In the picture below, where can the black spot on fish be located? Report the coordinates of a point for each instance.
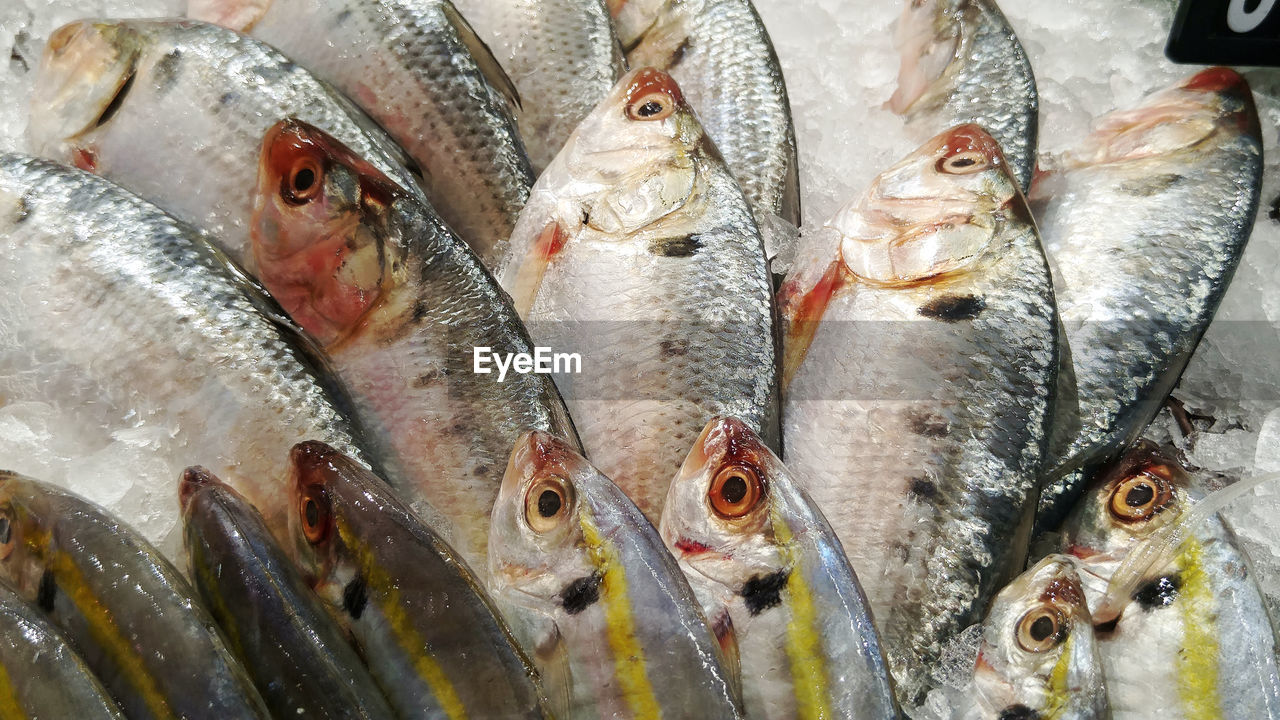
(675, 247)
(673, 348)
(355, 596)
(580, 594)
(954, 308)
(678, 54)
(47, 592)
(1019, 712)
(764, 592)
(922, 488)
(166, 72)
(1274, 214)
(1159, 592)
(1151, 185)
(928, 424)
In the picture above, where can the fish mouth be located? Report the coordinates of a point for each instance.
(86, 72)
(194, 479)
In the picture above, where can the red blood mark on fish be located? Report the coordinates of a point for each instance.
(85, 159)
(692, 547)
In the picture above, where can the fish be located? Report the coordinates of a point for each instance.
(720, 54)
(417, 68)
(562, 56)
(638, 252)
(961, 62)
(1144, 222)
(175, 111)
(293, 649)
(568, 545)
(417, 614)
(920, 354)
(141, 344)
(1193, 631)
(41, 675)
(400, 308)
(1038, 657)
(125, 609)
(758, 550)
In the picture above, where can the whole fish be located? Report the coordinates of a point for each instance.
(294, 651)
(419, 618)
(175, 111)
(41, 676)
(569, 545)
(638, 252)
(1145, 223)
(1039, 657)
(962, 63)
(147, 347)
(1194, 632)
(756, 548)
(921, 347)
(124, 608)
(563, 57)
(720, 54)
(417, 68)
(400, 308)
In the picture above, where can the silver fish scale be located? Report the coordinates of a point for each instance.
(990, 84)
(122, 317)
(720, 54)
(921, 440)
(1143, 252)
(562, 56)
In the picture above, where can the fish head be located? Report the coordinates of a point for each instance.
(27, 517)
(326, 241)
(934, 213)
(1179, 118)
(929, 36)
(632, 18)
(235, 14)
(85, 75)
(719, 514)
(539, 549)
(324, 482)
(1142, 492)
(1037, 643)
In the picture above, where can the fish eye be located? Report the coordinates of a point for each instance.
(654, 106)
(547, 503)
(303, 182)
(964, 163)
(735, 491)
(1140, 497)
(1041, 629)
(7, 539)
(313, 511)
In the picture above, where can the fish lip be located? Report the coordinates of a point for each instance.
(310, 459)
(194, 479)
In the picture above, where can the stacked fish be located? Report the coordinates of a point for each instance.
(790, 472)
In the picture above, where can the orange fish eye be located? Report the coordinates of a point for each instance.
(653, 95)
(1140, 497)
(314, 513)
(1041, 629)
(303, 181)
(546, 503)
(965, 162)
(735, 491)
(654, 106)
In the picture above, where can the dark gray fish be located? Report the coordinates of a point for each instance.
(290, 645)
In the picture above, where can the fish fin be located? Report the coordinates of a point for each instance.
(485, 60)
(529, 278)
(802, 309)
(552, 657)
(662, 46)
(239, 15)
(727, 638)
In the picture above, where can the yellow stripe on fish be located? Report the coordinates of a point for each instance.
(804, 643)
(383, 591)
(1058, 690)
(1197, 664)
(10, 708)
(629, 660)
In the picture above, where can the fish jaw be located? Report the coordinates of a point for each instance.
(234, 14)
(85, 69)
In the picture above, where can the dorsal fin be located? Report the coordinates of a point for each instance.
(485, 61)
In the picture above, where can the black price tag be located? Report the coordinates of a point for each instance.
(1226, 32)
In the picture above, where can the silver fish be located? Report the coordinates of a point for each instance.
(296, 654)
(638, 252)
(962, 63)
(416, 613)
(417, 68)
(175, 111)
(562, 56)
(41, 676)
(124, 608)
(1039, 657)
(720, 54)
(757, 549)
(1145, 224)
(921, 347)
(400, 308)
(132, 330)
(567, 544)
(1194, 631)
